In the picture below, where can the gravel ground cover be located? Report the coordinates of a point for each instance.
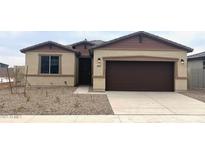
(53, 101)
(196, 94)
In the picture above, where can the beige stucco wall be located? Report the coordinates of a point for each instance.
(67, 73)
(51, 81)
(180, 69)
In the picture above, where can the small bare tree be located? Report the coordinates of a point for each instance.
(10, 86)
(25, 80)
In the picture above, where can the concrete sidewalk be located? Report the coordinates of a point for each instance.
(103, 119)
(86, 90)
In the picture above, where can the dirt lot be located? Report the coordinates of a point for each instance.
(5, 85)
(53, 101)
(196, 94)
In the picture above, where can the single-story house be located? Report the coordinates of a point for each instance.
(196, 70)
(2, 65)
(3, 71)
(139, 61)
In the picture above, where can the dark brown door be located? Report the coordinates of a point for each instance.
(139, 76)
(85, 71)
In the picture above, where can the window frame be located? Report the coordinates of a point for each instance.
(50, 55)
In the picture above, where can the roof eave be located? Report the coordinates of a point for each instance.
(188, 49)
(191, 50)
(195, 58)
(81, 42)
(24, 50)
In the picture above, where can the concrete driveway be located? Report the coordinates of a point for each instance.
(157, 103)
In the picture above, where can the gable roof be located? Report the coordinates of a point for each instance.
(92, 42)
(67, 48)
(142, 33)
(197, 56)
(97, 42)
(82, 42)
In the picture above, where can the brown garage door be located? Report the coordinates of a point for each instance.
(139, 76)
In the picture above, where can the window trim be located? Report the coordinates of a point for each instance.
(39, 64)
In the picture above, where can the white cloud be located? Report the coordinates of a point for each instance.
(11, 34)
(193, 39)
(11, 42)
(6, 51)
(13, 60)
(180, 37)
(62, 42)
(100, 35)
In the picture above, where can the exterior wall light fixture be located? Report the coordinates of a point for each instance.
(182, 61)
(99, 62)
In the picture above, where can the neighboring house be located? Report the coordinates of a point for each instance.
(140, 61)
(4, 75)
(196, 70)
(2, 65)
(3, 71)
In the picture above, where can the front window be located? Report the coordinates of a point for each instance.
(50, 64)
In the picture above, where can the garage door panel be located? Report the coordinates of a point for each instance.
(139, 76)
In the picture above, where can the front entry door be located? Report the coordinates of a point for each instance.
(85, 71)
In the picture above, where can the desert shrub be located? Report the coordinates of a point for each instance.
(28, 98)
(57, 99)
(39, 105)
(2, 106)
(76, 105)
(19, 109)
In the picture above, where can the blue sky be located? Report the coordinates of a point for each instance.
(11, 42)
